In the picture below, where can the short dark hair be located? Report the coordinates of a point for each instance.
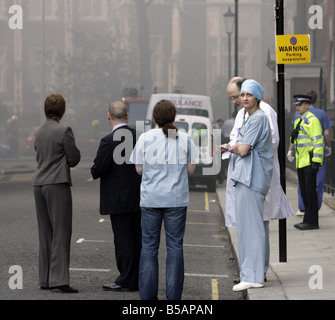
(54, 106)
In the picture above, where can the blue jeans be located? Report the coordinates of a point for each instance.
(174, 225)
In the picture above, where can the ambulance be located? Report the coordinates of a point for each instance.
(186, 104)
(200, 129)
(195, 117)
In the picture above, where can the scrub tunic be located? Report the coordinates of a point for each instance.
(164, 161)
(252, 178)
(276, 204)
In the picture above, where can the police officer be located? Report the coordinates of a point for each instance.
(308, 142)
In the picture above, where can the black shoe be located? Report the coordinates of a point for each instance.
(116, 287)
(64, 289)
(44, 288)
(306, 226)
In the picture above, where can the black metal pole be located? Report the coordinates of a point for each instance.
(236, 38)
(229, 68)
(281, 125)
(43, 62)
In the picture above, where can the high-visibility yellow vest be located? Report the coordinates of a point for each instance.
(309, 145)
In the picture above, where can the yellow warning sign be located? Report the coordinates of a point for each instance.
(293, 49)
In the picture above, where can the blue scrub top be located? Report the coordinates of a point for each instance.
(164, 161)
(255, 170)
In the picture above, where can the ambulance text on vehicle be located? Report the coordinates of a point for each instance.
(186, 104)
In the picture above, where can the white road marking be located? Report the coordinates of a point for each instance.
(206, 275)
(202, 246)
(186, 274)
(198, 211)
(202, 224)
(90, 270)
(81, 240)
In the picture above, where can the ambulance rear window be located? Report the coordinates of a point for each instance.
(200, 134)
(193, 112)
(183, 126)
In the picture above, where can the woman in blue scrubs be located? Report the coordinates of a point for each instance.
(253, 165)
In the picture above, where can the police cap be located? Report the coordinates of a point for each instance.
(300, 98)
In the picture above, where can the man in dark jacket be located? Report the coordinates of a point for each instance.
(120, 196)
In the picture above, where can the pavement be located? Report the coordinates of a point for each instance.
(309, 270)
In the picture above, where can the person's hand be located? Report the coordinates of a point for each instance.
(224, 148)
(315, 166)
(328, 151)
(290, 156)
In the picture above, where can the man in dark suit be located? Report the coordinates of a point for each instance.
(120, 196)
(56, 152)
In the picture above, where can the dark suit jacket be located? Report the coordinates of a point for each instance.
(119, 182)
(56, 153)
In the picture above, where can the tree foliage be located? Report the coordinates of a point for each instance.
(96, 72)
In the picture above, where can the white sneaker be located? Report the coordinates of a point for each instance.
(247, 285)
(299, 213)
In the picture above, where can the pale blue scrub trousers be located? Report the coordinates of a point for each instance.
(251, 233)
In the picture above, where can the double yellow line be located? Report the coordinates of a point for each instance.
(215, 289)
(215, 284)
(206, 202)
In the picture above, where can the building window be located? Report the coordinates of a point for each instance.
(50, 9)
(50, 75)
(90, 9)
(3, 56)
(3, 10)
(213, 56)
(4, 7)
(157, 59)
(35, 57)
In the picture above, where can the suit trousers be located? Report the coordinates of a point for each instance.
(54, 217)
(307, 183)
(128, 242)
(320, 183)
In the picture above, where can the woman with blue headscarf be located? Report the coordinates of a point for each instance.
(252, 173)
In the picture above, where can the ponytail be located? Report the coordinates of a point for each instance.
(170, 130)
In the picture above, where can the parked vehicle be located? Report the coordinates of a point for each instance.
(186, 104)
(201, 131)
(137, 108)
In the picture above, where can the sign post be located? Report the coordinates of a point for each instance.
(293, 49)
(289, 49)
(279, 14)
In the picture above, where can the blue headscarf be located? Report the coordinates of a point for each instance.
(254, 88)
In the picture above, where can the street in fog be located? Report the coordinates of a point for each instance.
(209, 263)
